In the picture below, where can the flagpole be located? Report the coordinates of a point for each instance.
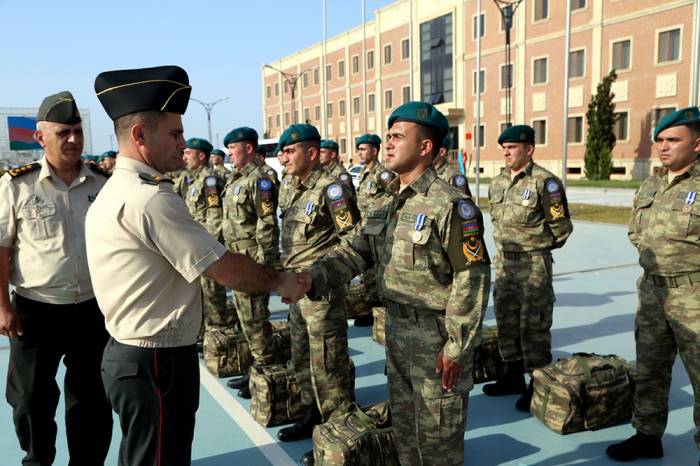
(324, 95)
(477, 138)
(565, 119)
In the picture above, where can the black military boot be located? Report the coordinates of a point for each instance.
(307, 459)
(364, 321)
(638, 446)
(301, 429)
(244, 392)
(513, 383)
(200, 349)
(239, 382)
(523, 403)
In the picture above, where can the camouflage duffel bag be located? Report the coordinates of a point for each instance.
(362, 437)
(356, 303)
(282, 341)
(379, 314)
(488, 364)
(275, 395)
(583, 392)
(226, 353)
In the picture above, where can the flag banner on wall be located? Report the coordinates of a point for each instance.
(21, 131)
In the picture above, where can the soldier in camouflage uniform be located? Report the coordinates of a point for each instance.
(434, 278)
(201, 189)
(250, 227)
(316, 213)
(216, 160)
(530, 217)
(268, 170)
(447, 172)
(329, 161)
(665, 228)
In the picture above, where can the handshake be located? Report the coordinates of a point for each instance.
(293, 286)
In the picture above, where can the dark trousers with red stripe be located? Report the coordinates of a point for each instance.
(75, 333)
(155, 392)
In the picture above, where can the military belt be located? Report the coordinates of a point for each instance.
(518, 255)
(243, 244)
(404, 311)
(673, 282)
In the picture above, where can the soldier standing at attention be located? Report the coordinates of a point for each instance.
(53, 314)
(201, 189)
(146, 254)
(250, 227)
(329, 161)
(665, 228)
(447, 172)
(268, 170)
(530, 217)
(318, 210)
(433, 276)
(216, 160)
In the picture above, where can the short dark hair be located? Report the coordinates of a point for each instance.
(428, 132)
(123, 124)
(306, 145)
(694, 130)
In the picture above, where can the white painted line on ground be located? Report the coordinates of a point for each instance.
(597, 269)
(259, 436)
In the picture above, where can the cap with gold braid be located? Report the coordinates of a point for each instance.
(59, 108)
(159, 89)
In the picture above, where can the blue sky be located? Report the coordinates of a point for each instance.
(50, 46)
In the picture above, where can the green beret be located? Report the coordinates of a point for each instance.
(297, 133)
(199, 144)
(517, 133)
(684, 116)
(218, 152)
(421, 113)
(241, 134)
(329, 144)
(368, 138)
(59, 108)
(159, 89)
(109, 153)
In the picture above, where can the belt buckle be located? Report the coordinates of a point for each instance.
(672, 282)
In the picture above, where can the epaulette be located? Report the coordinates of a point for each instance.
(154, 180)
(23, 170)
(100, 170)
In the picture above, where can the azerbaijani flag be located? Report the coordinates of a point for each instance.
(21, 130)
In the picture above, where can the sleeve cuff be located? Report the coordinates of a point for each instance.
(453, 351)
(203, 264)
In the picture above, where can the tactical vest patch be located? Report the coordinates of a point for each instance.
(23, 170)
(554, 201)
(342, 207)
(211, 191)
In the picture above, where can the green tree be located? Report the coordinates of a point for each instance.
(600, 139)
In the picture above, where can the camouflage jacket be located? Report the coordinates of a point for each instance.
(317, 211)
(427, 243)
(665, 223)
(269, 172)
(452, 176)
(374, 184)
(337, 170)
(201, 190)
(288, 185)
(530, 211)
(222, 171)
(250, 215)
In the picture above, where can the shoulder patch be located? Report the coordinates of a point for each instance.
(264, 184)
(342, 207)
(211, 190)
(334, 192)
(23, 170)
(459, 181)
(466, 209)
(98, 169)
(554, 201)
(552, 186)
(154, 180)
(210, 181)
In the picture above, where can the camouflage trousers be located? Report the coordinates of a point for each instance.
(667, 323)
(319, 333)
(369, 278)
(254, 318)
(216, 314)
(523, 303)
(428, 421)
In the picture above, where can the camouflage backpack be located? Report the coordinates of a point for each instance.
(583, 392)
(362, 437)
(276, 396)
(488, 364)
(226, 353)
(378, 335)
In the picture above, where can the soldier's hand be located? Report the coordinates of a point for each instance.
(451, 371)
(289, 288)
(9, 322)
(305, 280)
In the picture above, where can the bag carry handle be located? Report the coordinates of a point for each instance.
(581, 360)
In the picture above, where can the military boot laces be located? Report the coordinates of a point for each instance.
(513, 383)
(638, 446)
(303, 428)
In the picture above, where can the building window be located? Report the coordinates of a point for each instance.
(341, 69)
(296, 116)
(370, 103)
(503, 126)
(317, 112)
(355, 64)
(343, 145)
(405, 49)
(507, 76)
(355, 105)
(388, 99)
(269, 123)
(574, 129)
(286, 87)
(576, 64)
(286, 118)
(316, 75)
(541, 9)
(305, 79)
(329, 72)
(387, 54)
(341, 108)
(661, 112)
(329, 110)
(577, 4)
(481, 135)
(405, 94)
(277, 120)
(268, 90)
(482, 81)
(277, 89)
(370, 59)
(539, 71)
(540, 127)
(307, 117)
(669, 45)
(436, 76)
(622, 125)
(621, 55)
(482, 19)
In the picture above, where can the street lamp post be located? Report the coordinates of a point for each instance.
(292, 79)
(208, 106)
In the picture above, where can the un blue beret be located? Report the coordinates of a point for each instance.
(241, 134)
(199, 144)
(218, 152)
(329, 144)
(684, 116)
(109, 153)
(368, 138)
(421, 113)
(298, 132)
(517, 133)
